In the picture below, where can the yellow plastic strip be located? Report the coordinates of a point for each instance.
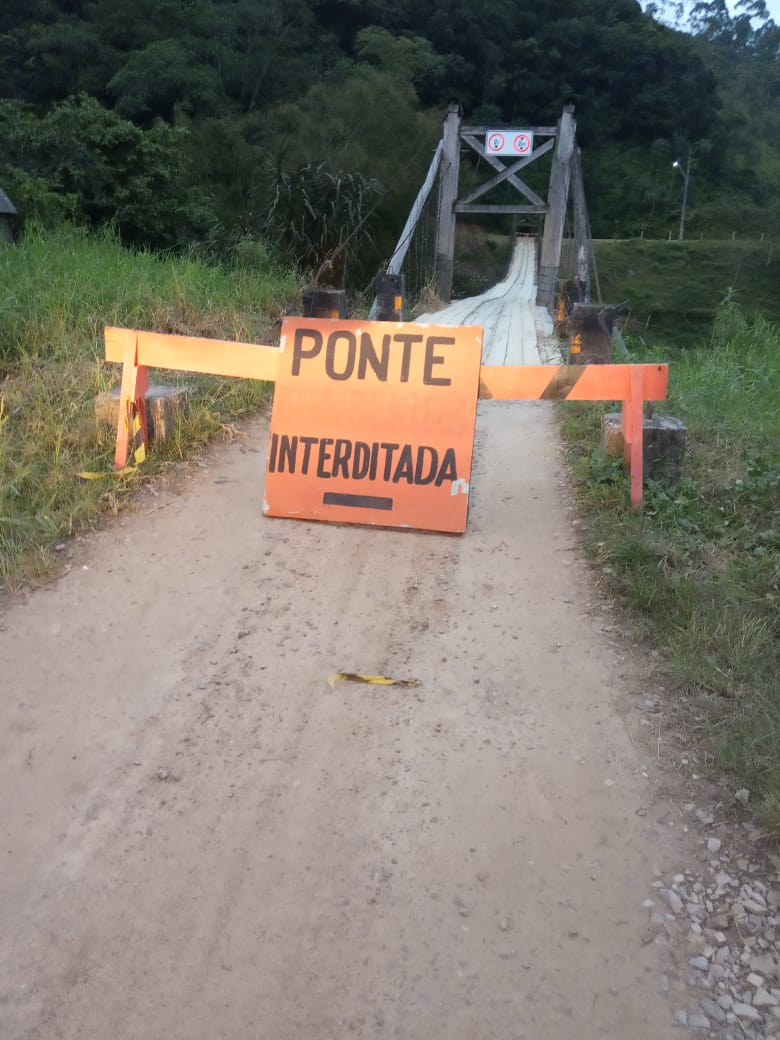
(372, 680)
(137, 452)
(85, 475)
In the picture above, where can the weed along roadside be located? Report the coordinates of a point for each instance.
(698, 570)
(60, 288)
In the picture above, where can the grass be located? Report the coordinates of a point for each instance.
(701, 565)
(673, 288)
(60, 288)
(57, 291)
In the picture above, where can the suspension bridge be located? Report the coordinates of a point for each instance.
(342, 374)
(517, 313)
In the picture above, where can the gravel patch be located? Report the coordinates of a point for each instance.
(725, 915)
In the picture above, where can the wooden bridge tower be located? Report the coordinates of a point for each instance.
(566, 174)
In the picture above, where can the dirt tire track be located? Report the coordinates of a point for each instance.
(204, 839)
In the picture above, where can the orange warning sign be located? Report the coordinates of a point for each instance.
(373, 423)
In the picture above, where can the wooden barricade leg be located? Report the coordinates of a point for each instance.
(135, 383)
(632, 424)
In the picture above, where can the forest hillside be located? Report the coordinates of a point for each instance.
(218, 124)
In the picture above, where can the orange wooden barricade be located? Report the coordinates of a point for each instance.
(630, 384)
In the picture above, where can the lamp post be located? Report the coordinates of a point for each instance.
(687, 176)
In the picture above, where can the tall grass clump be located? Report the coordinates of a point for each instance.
(701, 564)
(61, 287)
(58, 289)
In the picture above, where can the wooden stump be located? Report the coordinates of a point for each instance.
(165, 406)
(663, 443)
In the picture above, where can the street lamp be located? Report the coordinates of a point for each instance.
(687, 176)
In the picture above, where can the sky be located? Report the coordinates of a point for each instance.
(773, 6)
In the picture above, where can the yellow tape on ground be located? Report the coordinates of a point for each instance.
(85, 475)
(372, 680)
(137, 452)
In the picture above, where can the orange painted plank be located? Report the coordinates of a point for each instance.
(579, 382)
(192, 354)
(636, 460)
(613, 382)
(514, 382)
(501, 382)
(373, 423)
(135, 383)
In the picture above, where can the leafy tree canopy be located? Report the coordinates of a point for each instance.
(171, 116)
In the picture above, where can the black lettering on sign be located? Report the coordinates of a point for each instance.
(330, 355)
(361, 460)
(389, 450)
(347, 358)
(449, 468)
(288, 449)
(299, 353)
(307, 443)
(341, 452)
(324, 457)
(403, 471)
(358, 460)
(407, 338)
(430, 454)
(369, 356)
(432, 359)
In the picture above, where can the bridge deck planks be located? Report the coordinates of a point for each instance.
(507, 312)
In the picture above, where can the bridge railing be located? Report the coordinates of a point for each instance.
(395, 264)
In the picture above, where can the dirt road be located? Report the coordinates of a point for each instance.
(201, 838)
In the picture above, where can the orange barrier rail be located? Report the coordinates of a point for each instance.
(631, 384)
(139, 351)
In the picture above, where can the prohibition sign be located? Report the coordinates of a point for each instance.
(522, 144)
(496, 143)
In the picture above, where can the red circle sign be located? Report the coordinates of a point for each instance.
(522, 144)
(495, 142)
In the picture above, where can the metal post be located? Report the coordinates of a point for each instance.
(448, 194)
(687, 176)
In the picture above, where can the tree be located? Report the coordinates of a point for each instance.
(409, 58)
(360, 86)
(162, 79)
(360, 121)
(271, 51)
(109, 169)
